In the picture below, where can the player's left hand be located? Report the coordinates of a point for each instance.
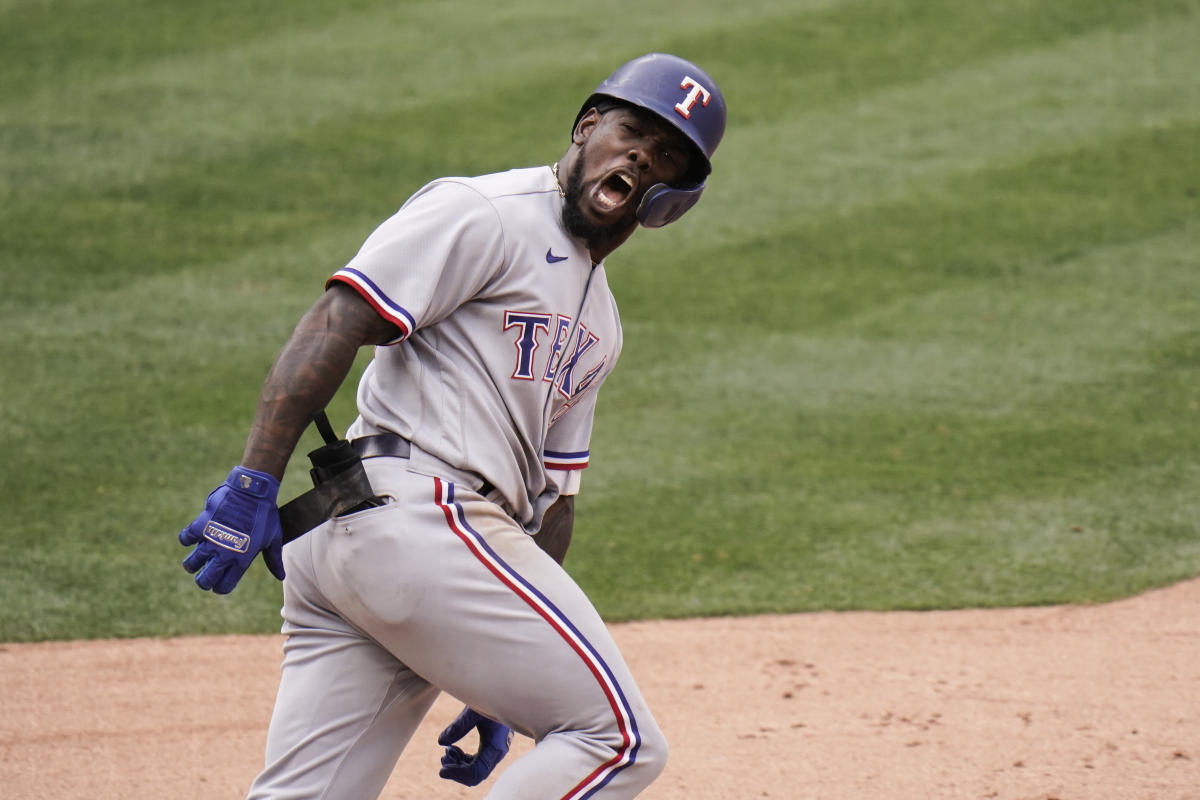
(494, 741)
(240, 520)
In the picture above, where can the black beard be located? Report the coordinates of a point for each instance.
(573, 218)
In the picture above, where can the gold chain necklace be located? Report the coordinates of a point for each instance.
(557, 185)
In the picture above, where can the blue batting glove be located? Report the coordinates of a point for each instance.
(494, 741)
(240, 520)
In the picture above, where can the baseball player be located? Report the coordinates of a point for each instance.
(493, 326)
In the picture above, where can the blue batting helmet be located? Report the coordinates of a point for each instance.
(687, 99)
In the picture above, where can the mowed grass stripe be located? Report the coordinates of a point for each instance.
(196, 157)
(846, 152)
(205, 104)
(1093, 547)
(1111, 314)
(270, 106)
(311, 180)
(297, 99)
(170, 350)
(852, 49)
(78, 41)
(903, 510)
(989, 225)
(934, 278)
(308, 180)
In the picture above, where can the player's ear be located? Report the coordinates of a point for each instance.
(585, 126)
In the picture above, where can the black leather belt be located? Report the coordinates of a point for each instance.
(394, 446)
(381, 444)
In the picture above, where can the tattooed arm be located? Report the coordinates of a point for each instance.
(308, 371)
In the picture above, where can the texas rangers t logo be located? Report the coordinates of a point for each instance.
(696, 94)
(528, 326)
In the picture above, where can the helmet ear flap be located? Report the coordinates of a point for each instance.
(662, 204)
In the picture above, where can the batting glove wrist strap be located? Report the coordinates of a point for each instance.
(254, 483)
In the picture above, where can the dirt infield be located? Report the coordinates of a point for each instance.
(1071, 703)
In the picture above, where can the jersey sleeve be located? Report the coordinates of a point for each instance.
(568, 444)
(430, 257)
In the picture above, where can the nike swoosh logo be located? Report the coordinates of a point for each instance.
(553, 259)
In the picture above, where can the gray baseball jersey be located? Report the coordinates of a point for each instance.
(510, 331)
(506, 332)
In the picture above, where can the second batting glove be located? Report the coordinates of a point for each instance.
(471, 770)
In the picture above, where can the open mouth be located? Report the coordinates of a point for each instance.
(614, 190)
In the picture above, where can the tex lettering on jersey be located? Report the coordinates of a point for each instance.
(561, 362)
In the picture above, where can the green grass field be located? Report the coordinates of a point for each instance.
(932, 339)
